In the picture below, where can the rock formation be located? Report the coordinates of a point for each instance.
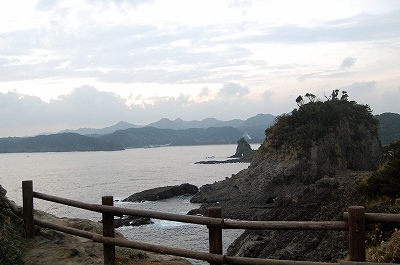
(287, 171)
(302, 171)
(244, 154)
(162, 193)
(244, 151)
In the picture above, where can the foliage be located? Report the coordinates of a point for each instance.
(12, 247)
(389, 127)
(386, 181)
(313, 120)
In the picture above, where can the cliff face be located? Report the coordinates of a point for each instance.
(326, 200)
(249, 193)
(306, 169)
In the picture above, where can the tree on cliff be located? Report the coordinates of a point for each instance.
(297, 132)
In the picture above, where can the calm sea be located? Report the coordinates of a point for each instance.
(87, 176)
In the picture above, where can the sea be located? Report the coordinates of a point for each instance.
(87, 176)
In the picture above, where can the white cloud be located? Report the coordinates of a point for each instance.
(230, 90)
(348, 62)
(220, 53)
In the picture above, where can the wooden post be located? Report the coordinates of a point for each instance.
(27, 208)
(108, 230)
(357, 233)
(215, 233)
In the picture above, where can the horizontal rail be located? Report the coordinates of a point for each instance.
(287, 225)
(216, 258)
(377, 217)
(364, 263)
(254, 261)
(119, 211)
(66, 229)
(226, 224)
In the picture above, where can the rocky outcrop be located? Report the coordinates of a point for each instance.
(244, 154)
(326, 200)
(53, 247)
(132, 221)
(162, 193)
(277, 174)
(244, 151)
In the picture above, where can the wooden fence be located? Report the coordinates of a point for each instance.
(355, 221)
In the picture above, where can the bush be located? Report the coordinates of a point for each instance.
(386, 181)
(12, 246)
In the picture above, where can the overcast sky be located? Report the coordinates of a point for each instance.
(75, 63)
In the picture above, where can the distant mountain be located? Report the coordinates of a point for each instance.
(389, 127)
(63, 142)
(253, 129)
(150, 136)
(265, 120)
(122, 125)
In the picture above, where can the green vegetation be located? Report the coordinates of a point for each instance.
(389, 127)
(12, 247)
(382, 191)
(297, 132)
(386, 181)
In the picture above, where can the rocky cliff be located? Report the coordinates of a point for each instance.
(276, 174)
(300, 172)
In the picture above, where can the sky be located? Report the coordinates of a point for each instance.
(84, 63)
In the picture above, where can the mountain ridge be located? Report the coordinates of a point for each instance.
(179, 124)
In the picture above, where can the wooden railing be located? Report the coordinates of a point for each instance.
(355, 221)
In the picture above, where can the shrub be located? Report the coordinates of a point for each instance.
(386, 181)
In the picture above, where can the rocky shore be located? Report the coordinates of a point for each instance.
(313, 174)
(53, 247)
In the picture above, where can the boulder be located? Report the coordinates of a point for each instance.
(162, 193)
(132, 221)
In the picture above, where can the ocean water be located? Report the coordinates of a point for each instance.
(87, 176)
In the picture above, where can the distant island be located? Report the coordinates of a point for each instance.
(62, 142)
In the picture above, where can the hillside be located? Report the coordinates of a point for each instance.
(149, 136)
(307, 168)
(253, 126)
(389, 127)
(63, 142)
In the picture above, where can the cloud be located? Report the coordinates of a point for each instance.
(205, 92)
(230, 90)
(359, 87)
(86, 106)
(46, 5)
(348, 62)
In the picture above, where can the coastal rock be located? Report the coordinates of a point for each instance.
(244, 151)
(53, 247)
(248, 194)
(131, 221)
(162, 193)
(324, 201)
(244, 154)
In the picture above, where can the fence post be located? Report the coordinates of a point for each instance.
(108, 230)
(27, 208)
(357, 233)
(215, 233)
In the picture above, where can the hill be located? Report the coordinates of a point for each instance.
(122, 125)
(253, 127)
(150, 136)
(389, 127)
(63, 142)
(307, 168)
